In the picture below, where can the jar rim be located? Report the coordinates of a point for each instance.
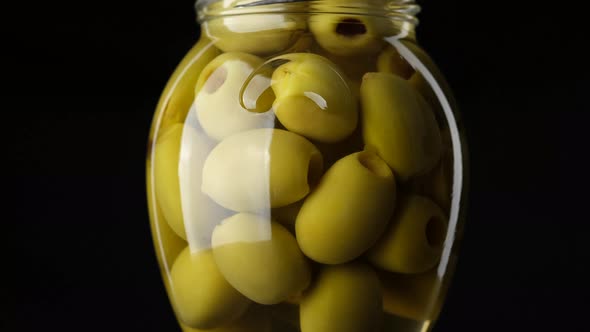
(405, 10)
(248, 3)
(199, 4)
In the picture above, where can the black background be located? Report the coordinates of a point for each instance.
(79, 86)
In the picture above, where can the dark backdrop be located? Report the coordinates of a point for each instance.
(81, 81)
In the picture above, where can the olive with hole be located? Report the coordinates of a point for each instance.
(343, 298)
(348, 34)
(220, 108)
(200, 294)
(413, 242)
(172, 197)
(261, 169)
(260, 258)
(348, 211)
(313, 98)
(399, 125)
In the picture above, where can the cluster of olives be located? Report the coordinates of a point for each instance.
(301, 180)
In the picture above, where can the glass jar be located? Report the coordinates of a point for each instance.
(306, 171)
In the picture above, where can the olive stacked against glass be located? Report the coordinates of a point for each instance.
(300, 179)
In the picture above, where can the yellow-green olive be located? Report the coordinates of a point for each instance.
(348, 211)
(261, 34)
(390, 61)
(413, 296)
(218, 103)
(413, 242)
(179, 94)
(344, 298)
(348, 34)
(398, 125)
(313, 98)
(177, 184)
(256, 319)
(260, 258)
(201, 296)
(261, 169)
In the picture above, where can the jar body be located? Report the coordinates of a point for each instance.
(306, 173)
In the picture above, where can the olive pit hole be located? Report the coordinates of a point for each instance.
(435, 232)
(351, 27)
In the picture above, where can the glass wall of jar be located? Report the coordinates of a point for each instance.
(306, 171)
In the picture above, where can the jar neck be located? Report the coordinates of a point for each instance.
(401, 12)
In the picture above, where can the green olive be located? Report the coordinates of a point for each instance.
(261, 34)
(218, 105)
(399, 125)
(390, 61)
(201, 296)
(256, 319)
(261, 169)
(414, 240)
(313, 98)
(344, 298)
(348, 34)
(179, 94)
(260, 258)
(413, 296)
(190, 213)
(348, 211)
